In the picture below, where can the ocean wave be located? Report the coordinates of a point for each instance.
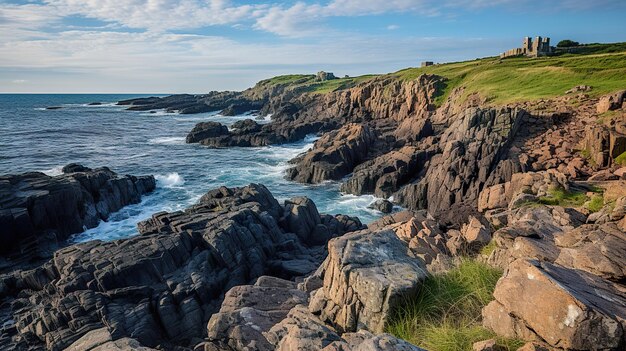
(168, 141)
(54, 171)
(170, 180)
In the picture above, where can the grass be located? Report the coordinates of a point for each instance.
(509, 80)
(308, 83)
(446, 313)
(561, 197)
(621, 159)
(489, 248)
(596, 203)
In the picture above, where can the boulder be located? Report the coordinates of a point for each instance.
(611, 102)
(334, 155)
(250, 311)
(384, 206)
(246, 125)
(206, 130)
(365, 276)
(566, 308)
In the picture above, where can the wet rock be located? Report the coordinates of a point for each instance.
(205, 130)
(567, 308)
(365, 275)
(334, 155)
(384, 206)
(38, 211)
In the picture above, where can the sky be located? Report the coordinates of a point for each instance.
(196, 46)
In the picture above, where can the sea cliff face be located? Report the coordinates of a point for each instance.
(534, 188)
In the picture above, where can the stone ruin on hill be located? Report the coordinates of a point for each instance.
(531, 48)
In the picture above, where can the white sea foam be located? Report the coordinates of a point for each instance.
(159, 113)
(54, 171)
(168, 141)
(170, 180)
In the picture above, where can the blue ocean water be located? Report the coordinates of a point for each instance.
(33, 138)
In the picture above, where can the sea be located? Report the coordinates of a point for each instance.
(34, 138)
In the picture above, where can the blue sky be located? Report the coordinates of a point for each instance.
(195, 46)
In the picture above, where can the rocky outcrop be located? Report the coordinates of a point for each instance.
(603, 145)
(566, 308)
(229, 101)
(530, 183)
(37, 211)
(161, 287)
(611, 102)
(472, 149)
(334, 155)
(387, 173)
(365, 276)
(206, 130)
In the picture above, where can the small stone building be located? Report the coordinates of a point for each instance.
(427, 63)
(531, 48)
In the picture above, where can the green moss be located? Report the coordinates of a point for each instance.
(446, 313)
(596, 203)
(621, 159)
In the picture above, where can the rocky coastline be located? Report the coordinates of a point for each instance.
(535, 189)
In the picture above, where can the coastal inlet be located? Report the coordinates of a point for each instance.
(38, 139)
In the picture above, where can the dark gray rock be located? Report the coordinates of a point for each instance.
(161, 287)
(384, 206)
(205, 130)
(38, 211)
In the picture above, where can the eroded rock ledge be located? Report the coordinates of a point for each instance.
(38, 211)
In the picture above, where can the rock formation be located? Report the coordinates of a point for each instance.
(161, 287)
(38, 212)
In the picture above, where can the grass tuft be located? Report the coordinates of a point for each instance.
(446, 314)
(621, 159)
(596, 203)
(489, 248)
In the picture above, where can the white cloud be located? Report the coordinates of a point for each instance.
(393, 27)
(19, 81)
(158, 15)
